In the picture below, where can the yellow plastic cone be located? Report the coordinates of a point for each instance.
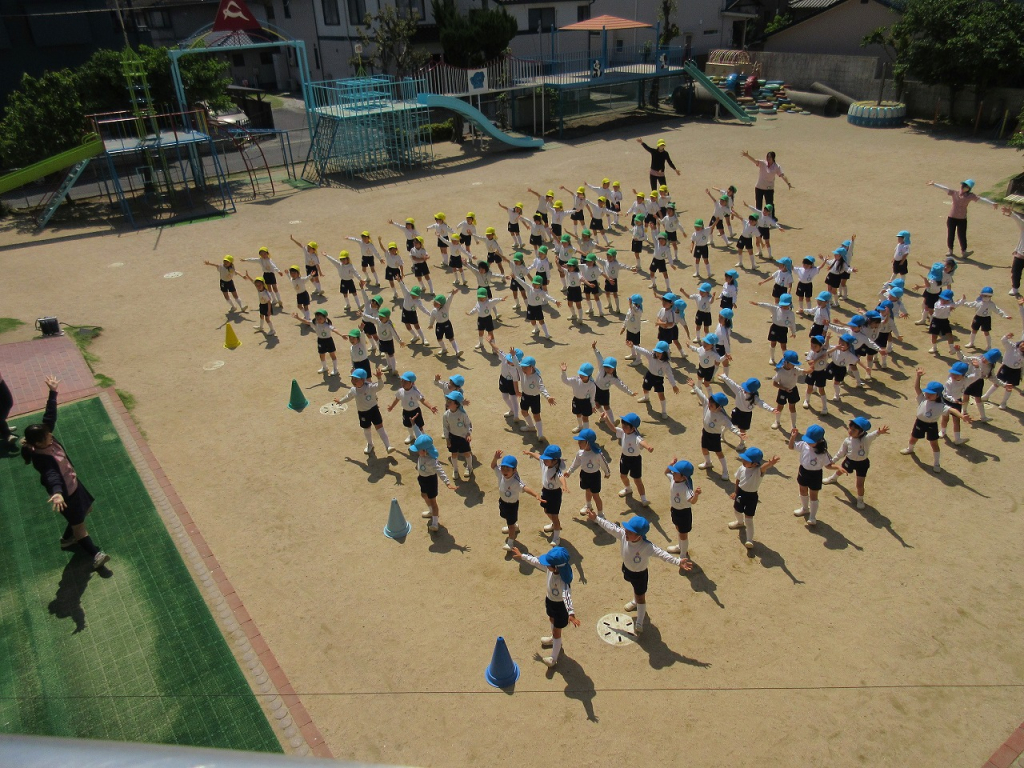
(230, 339)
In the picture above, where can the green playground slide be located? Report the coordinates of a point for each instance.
(91, 146)
(717, 93)
(479, 119)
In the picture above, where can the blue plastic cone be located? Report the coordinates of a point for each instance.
(398, 527)
(502, 671)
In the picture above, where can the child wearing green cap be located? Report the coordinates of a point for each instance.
(722, 213)
(590, 276)
(766, 222)
(323, 328)
(536, 298)
(574, 290)
(699, 241)
(639, 238)
(672, 228)
(412, 305)
(227, 283)
(745, 242)
(387, 334)
(364, 393)
(541, 265)
(539, 232)
(610, 268)
(520, 276)
(440, 321)
(558, 596)
(661, 259)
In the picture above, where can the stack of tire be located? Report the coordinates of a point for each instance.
(869, 114)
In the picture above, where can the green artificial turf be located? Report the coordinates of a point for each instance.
(128, 654)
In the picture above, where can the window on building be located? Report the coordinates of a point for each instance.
(357, 11)
(158, 19)
(287, 7)
(238, 59)
(710, 31)
(543, 18)
(620, 46)
(406, 8)
(269, 7)
(332, 18)
(316, 57)
(582, 13)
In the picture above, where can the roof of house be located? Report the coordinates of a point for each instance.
(598, 23)
(817, 7)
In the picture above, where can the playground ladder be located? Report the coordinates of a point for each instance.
(253, 158)
(320, 151)
(52, 203)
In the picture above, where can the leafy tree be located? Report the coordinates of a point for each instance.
(669, 29)
(473, 41)
(780, 21)
(43, 116)
(390, 37)
(1017, 139)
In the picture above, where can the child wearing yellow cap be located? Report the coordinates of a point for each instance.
(270, 273)
(408, 228)
(579, 202)
(311, 259)
(444, 232)
(227, 282)
(394, 265)
(515, 214)
(266, 304)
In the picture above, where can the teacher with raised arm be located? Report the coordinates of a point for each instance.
(659, 156)
(767, 170)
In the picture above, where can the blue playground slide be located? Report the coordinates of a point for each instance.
(717, 93)
(479, 119)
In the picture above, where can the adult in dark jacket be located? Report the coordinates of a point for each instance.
(7, 440)
(659, 157)
(68, 495)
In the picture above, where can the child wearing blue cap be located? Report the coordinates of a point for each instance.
(982, 320)
(814, 457)
(682, 495)
(960, 375)
(658, 369)
(785, 381)
(821, 314)
(510, 486)
(632, 323)
(746, 400)
(552, 487)
(900, 257)
(530, 386)
(410, 396)
(508, 378)
(605, 377)
(454, 383)
(723, 337)
(557, 597)
(930, 409)
(730, 290)
(367, 408)
(753, 468)
(887, 331)
(668, 330)
(679, 305)
(1009, 374)
(584, 391)
(715, 421)
(837, 266)
(939, 277)
(428, 470)
(984, 371)
(458, 432)
(783, 278)
(631, 461)
(592, 464)
(804, 275)
(636, 552)
(708, 359)
(940, 325)
(842, 359)
(783, 322)
(817, 371)
(704, 297)
(848, 268)
(854, 454)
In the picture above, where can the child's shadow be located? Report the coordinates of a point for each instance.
(576, 558)
(578, 684)
(740, 338)
(1002, 432)
(377, 468)
(648, 513)
(442, 542)
(659, 655)
(831, 538)
(701, 582)
(451, 362)
(873, 516)
(332, 382)
(769, 558)
(972, 454)
(601, 537)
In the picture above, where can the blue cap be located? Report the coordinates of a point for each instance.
(905, 235)
(751, 385)
(424, 443)
(409, 376)
(899, 282)
(813, 434)
(946, 295)
(458, 380)
(808, 259)
(936, 271)
(785, 300)
(790, 357)
(719, 399)
(519, 353)
(679, 305)
(586, 436)
(711, 339)
(871, 315)
(669, 297)
(586, 370)
(959, 369)
(528, 362)
(856, 321)
(509, 462)
(682, 467)
(359, 373)
(861, 423)
(824, 296)
(785, 261)
(969, 183)
(632, 419)
(456, 397)
(848, 338)
(552, 453)
(840, 251)
(896, 292)
(885, 305)
(993, 356)
(661, 347)
(727, 313)
(987, 291)
(933, 388)
(753, 455)
(732, 273)
(704, 288)
(819, 340)
(637, 299)
(847, 243)
(609, 362)
(638, 525)
(555, 557)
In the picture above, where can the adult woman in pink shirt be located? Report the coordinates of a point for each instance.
(767, 170)
(956, 222)
(1017, 266)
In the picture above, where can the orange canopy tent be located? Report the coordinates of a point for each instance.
(598, 23)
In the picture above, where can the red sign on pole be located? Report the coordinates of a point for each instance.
(234, 16)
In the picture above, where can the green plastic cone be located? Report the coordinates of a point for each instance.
(298, 400)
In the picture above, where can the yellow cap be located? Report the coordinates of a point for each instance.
(615, 183)
(418, 238)
(581, 190)
(439, 216)
(470, 215)
(602, 199)
(264, 249)
(410, 221)
(364, 233)
(663, 188)
(558, 204)
(342, 255)
(549, 193)
(518, 205)
(392, 244)
(489, 231)
(605, 181)
(312, 244)
(229, 259)
(661, 142)
(654, 195)
(294, 267)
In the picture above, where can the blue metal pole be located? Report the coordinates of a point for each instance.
(604, 48)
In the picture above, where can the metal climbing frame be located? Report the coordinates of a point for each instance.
(368, 126)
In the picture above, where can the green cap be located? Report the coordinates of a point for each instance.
(573, 262)
(321, 312)
(586, 233)
(542, 249)
(590, 257)
(664, 235)
(378, 299)
(416, 291)
(481, 293)
(441, 299)
(354, 334)
(538, 280)
(612, 252)
(697, 223)
(517, 256)
(385, 312)
(566, 239)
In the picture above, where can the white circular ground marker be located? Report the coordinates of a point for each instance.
(172, 275)
(616, 629)
(333, 409)
(116, 264)
(213, 365)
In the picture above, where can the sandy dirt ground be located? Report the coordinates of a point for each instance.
(885, 636)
